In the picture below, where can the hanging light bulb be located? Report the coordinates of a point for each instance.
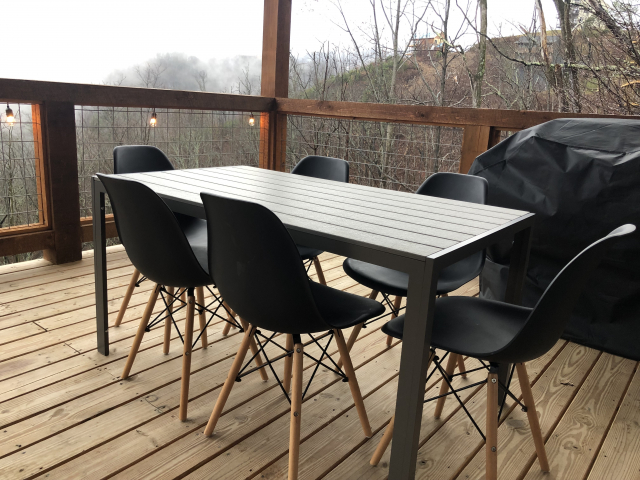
(10, 118)
(252, 120)
(154, 118)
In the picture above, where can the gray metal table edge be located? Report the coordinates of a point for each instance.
(423, 274)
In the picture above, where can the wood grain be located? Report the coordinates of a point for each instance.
(424, 115)
(619, 456)
(575, 443)
(67, 415)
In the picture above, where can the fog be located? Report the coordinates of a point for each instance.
(239, 74)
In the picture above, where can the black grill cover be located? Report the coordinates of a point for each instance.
(581, 177)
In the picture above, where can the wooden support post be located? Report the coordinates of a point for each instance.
(59, 135)
(475, 141)
(276, 34)
(40, 165)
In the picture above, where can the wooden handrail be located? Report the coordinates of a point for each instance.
(426, 115)
(61, 232)
(32, 91)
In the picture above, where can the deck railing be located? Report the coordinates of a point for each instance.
(66, 144)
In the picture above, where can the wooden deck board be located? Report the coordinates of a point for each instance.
(64, 412)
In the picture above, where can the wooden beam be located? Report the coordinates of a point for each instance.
(31, 91)
(475, 141)
(276, 33)
(494, 137)
(86, 225)
(59, 133)
(26, 242)
(423, 115)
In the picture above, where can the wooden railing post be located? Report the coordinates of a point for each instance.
(275, 81)
(476, 139)
(40, 165)
(61, 167)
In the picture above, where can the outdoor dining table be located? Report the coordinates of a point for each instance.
(417, 234)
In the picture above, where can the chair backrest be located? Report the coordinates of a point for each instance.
(257, 267)
(139, 159)
(549, 317)
(456, 186)
(466, 188)
(151, 234)
(323, 167)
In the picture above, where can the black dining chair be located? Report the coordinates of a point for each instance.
(142, 159)
(258, 270)
(453, 186)
(315, 166)
(158, 247)
(327, 168)
(501, 333)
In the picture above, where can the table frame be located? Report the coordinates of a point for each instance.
(423, 276)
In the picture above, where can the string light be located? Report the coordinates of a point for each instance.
(252, 120)
(10, 118)
(154, 118)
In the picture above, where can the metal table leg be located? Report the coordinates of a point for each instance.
(413, 371)
(100, 265)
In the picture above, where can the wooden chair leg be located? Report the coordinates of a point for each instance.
(202, 316)
(319, 272)
(396, 307)
(186, 357)
(296, 411)
(444, 387)
(127, 296)
(532, 414)
(140, 333)
(388, 433)
(288, 363)
(183, 297)
(167, 323)
(491, 446)
(356, 330)
(230, 317)
(353, 382)
(226, 328)
(462, 367)
(352, 340)
(254, 351)
(231, 379)
(384, 443)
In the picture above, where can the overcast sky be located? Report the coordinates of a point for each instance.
(82, 41)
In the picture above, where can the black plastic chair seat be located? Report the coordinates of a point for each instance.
(307, 253)
(342, 309)
(471, 326)
(393, 282)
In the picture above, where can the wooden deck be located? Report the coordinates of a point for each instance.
(65, 414)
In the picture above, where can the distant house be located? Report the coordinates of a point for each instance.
(531, 44)
(425, 48)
